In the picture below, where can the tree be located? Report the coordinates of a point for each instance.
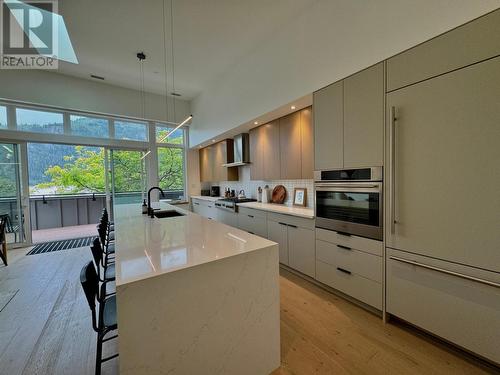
(84, 171)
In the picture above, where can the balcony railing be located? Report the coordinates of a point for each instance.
(62, 210)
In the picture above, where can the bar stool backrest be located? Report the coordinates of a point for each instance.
(90, 285)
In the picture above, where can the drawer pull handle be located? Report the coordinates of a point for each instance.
(452, 273)
(196, 203)
(279, 222)
(250, 216)
(343, 270)
(344, 247)
(344, 234)
(291, 225)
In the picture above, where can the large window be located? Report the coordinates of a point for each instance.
(89, 126)
(135, 131)
(171, 171)
(3, 117)
(39, 121)
(176, 137)
(65, 169)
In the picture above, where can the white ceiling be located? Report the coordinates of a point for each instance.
(209, 37)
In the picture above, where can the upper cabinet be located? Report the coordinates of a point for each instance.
(328, 106)
(283, 148)
(211, 160)
(349, 121)
(256, 154)
(265, 152)
(290, 144)
(307, 143)
(271, 150)
(364, 118)
(206, 170)
(465, 45)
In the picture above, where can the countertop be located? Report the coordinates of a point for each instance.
(304, 212)
(147, 247)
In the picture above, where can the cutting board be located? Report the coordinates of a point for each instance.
(279, 194)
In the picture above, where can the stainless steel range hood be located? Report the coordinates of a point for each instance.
(241, 147)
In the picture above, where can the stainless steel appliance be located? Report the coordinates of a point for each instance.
(349, 201)
(230, 204)
(241, 151)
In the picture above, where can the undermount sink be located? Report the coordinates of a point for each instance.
(167, 213)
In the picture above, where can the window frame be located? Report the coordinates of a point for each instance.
(13, 133)
(35, 109)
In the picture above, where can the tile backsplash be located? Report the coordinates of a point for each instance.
(250, 187)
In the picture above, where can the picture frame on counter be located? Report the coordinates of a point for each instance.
(300, 197)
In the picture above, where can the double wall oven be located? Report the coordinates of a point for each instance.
(349, 201)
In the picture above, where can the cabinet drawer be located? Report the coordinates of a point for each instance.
(251, 212)
(358, 262)
(253, 224)
(460, 310)
(356, 286)
(291, 220)
(360, 243)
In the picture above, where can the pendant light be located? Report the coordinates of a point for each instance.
(187, 119)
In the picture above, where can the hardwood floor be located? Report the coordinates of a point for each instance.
(46, 328)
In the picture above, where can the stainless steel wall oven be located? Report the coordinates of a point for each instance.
(350, 201)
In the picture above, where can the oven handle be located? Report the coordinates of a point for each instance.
(392, 162)
(335, 185)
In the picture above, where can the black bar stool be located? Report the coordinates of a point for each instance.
(103, 320)
(108, 274)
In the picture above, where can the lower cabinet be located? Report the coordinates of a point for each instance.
(226, 217)
(295, 237)
(204, 208)
(350, 264)
(278, 232)
(252, 221)
(458, 303)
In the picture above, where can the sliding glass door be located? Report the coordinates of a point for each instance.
(12, 197)
(127, 177)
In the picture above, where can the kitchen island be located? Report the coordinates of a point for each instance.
(194, 296)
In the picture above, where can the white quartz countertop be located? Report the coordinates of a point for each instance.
(205, 198)
(147, 247)
(305, 212)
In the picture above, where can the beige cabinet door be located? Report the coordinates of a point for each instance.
(364, 118)
(277, 232)
(256, 154)
(219, 157)
(270, 139)
(475, 41)
(206, 164)
(307, 143)
(302, 250)
(328, 127)
(290, 146)
(445, 192)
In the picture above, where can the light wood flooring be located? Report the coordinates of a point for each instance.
(46, 328)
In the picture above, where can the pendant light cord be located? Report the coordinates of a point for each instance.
(173, 57)
(165, 59)
(143, 101)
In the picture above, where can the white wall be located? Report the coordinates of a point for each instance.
(328, 41)
(53, 89)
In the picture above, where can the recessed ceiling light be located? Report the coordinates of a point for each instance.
(213, 140)
(292, 107)
(256, 123)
